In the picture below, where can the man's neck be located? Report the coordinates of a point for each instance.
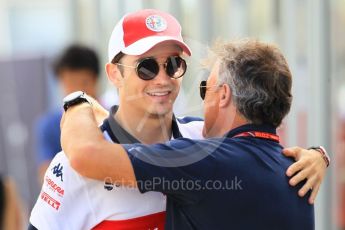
(147, 128)
(237, 120)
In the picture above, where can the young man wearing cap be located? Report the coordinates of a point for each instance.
(142, 45)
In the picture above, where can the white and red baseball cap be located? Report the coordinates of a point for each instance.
(138, 32)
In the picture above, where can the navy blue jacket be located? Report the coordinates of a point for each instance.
(223, 183)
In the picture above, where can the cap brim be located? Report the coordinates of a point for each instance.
(145, 44)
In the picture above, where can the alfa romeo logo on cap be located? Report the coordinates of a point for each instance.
(156, 23)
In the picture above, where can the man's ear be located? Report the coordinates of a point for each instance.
(114, 75)
(225, 96)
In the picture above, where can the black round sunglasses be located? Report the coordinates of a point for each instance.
(148, 68)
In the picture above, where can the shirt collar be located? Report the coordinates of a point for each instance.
(120, 135)
(251, 127)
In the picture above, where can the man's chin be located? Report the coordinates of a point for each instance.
(160, 111)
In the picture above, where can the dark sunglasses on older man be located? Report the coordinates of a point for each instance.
(148, 68)
(203, 88)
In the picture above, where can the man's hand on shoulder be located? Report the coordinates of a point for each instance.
(310, 165)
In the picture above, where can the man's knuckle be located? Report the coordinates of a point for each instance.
(318, 177)
(304, 175)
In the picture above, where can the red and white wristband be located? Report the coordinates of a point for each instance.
(323, 153)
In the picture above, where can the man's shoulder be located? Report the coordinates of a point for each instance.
(49, 120)
(51, 116)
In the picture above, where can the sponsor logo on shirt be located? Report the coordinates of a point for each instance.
(54, 187)
(57, 171)
(49, 200)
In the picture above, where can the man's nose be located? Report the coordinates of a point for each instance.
(162, 76)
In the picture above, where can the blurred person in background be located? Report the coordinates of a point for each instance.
(77, 68)
(146, 65)
(10, 209)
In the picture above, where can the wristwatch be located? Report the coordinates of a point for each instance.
(323, 153)
(74, 98)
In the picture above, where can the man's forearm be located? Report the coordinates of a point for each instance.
(89, 153)
(78, 127)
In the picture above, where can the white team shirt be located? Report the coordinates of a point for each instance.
(70, 201)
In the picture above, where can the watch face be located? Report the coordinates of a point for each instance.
(72, 96)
